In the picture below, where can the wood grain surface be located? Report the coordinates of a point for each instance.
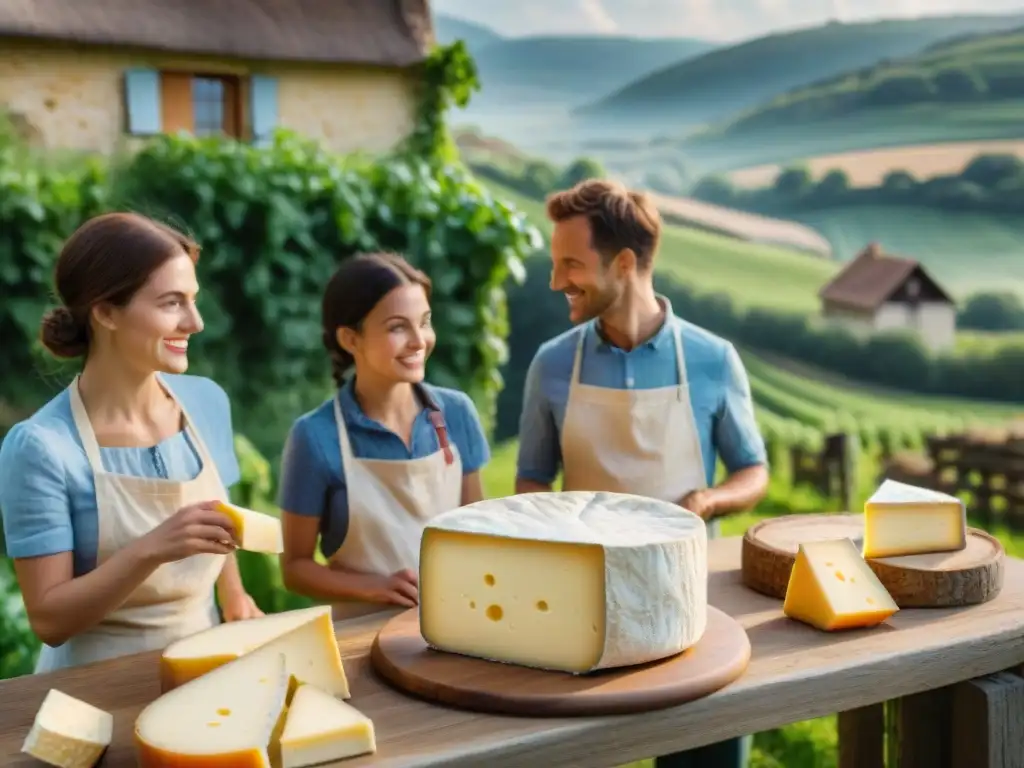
(795, 673)
(942, 580)
(402, 657)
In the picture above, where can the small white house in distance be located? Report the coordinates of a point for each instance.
(877, 292)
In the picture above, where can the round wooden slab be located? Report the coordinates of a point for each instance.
(401, 656)
(942, 580)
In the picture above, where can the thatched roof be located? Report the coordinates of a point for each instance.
(375, 32)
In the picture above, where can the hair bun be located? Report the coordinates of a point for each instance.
(62, 334)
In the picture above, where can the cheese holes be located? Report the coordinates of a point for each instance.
(542, 606)
(494, 612)
(223, 712)
(489, 579)
(472, 604)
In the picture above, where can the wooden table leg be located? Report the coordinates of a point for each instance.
(862, 737)
(988, 722)
(923, 723)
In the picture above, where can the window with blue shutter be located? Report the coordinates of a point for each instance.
(263, 109)
(142, 101)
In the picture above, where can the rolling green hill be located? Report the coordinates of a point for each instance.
(979, 78)
(729, 80)
(966, 251)
(572, 70)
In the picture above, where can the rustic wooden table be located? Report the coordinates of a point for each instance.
(796, 673)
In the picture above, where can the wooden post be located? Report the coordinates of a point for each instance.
(923, 724)
(988, 722)
(862, 737)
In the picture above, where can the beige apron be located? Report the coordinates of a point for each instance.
(177, 599)
(389, 503)
(640, 441)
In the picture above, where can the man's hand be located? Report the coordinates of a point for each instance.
(701, 503)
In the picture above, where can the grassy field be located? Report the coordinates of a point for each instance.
(966, 251)
(869, 167)
(722, 150)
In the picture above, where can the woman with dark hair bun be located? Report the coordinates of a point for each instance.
(108, 491)
(367, 469)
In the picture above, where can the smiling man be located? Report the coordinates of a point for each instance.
(634, 399)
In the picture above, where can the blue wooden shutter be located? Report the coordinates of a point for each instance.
(142, 101)
(263, 108)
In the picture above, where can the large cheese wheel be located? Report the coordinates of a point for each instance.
(306, 638)
(573, 581)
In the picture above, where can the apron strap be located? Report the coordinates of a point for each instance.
(437, 421)
(577, 361)
(680, 360)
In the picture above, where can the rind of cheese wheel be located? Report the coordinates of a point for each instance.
(306, 638)
(573, 581)
(229, 718)
(831, 587)
(902, 519)
(256, 531)
(321, 729)
(68, 732)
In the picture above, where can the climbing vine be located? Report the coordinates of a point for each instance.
(448, 79)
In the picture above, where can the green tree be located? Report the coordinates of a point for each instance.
(995, 311)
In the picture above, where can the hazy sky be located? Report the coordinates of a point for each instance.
(709, 19)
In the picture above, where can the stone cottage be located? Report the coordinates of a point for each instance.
(877, 292)
(88, 74)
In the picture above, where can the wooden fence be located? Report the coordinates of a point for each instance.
(830, 471)
(985, 469)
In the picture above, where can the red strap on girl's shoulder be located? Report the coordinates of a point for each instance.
(442, 435)
(437, 420)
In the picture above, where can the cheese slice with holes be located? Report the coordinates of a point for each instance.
(306, 638)
(902, 519)
(572, 581)
(229, 718)
(831, 587)
(68, 733)
(321, 729)
(256, 532)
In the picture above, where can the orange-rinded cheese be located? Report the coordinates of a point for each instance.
(306, 638)
(831, 587)
(255, 531)
(228, 718)
(322, 729)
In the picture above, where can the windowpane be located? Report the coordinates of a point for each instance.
(208, 106)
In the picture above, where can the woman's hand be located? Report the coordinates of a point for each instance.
(238, 606)
(193, 530)
(400, 588)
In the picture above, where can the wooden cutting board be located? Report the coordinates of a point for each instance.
(401, 656)
(942, 580)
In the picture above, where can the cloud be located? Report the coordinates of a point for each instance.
(723, 20)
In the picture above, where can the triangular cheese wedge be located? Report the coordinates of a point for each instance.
(256, 531)
(306, 638)
(321, 729)
(68, 732)
(831, 587)
(902, 519)
(229, 717)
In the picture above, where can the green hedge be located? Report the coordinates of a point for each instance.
(273, 224)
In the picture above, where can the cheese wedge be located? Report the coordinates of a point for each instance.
(321, 729)
(901, 519)
(305, 637)
(831, 587)
(68, 733)
(255, 531)
(228, 718)
(573, 581)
